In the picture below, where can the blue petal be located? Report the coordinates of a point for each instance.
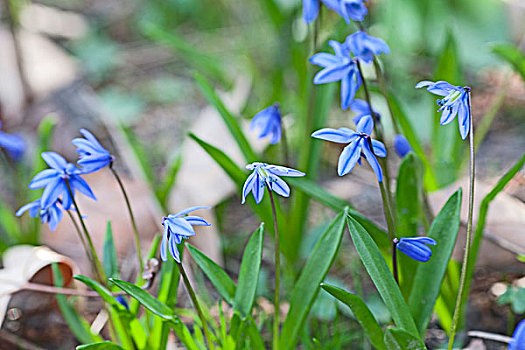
(54, 160)
(172, 244)
(52, 192)
(339, 49)
(349, 157)
(333, 135)
(180, 226)
(284, 171)
(248, 186)
(449, 114)
(93, 140)
(279, 186)
(310, 10)
(29, 206)
(196, 220)
(324, 59)
(424, 83)
(79, 184)
(372, 160)
(332, 73)
(379, 148)
(164, 243)
(258, 188)
(190, 209)
(401, 145)
(463, 119)
(360, 106)
(425, 240)
(419, 252)
(43, 178)
(365, 125)
(518, 337)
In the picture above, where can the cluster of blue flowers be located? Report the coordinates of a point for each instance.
(63, 179)
(348, 9)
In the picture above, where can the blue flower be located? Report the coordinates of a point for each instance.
(122, 301)
(359, 145)
(54, 181)
(362, 109)
(268, 122)
(455, 102)
(348, 9)
(266, 175)
(401, 145)
(310, 10)
(92, 155)
(52, 215)
(13, 144)
(518, 337)
(415, 247)
(338, 67)
(365, 47)
(176, 228)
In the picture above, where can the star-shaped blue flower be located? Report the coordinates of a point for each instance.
(415, 247)
(358, 146)
(362, 109)
(13, 144)
(338, 67)
(266, 175)
(176, 228)
(401, 145)
(365, 47)
(268, 123)
(348, 9)
(52, 215)
(54, 181)
(92, 155)
(518, 337)
(455, 102)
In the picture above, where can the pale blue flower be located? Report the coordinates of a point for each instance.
(362, 109)
(338, 67)
(518, 337)
(92, 155)
(455, 102)
(52, 215)
(54, 181)
(348, 9)
(310, 10)
(358, 146)
(401, 145)
(365, 47)
(176, 228)
(415, 247)
(266, 175)
(13, 144)
(268, 123)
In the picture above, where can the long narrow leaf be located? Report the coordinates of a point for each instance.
(398, 339)
(381, 276)
(429, 275)
(110, 254)
(313, 273)
(105, 345)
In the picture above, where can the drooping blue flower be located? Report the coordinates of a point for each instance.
(176, 228)
(518, 337)
(348, 9)
(358, 146)
(54, 181)
(52, 215)
(401, 145)
(455, 102)
(338, 67)
(310, 10)
(415, 247)
(266, 175)
(362, 109)
(13, 144)
(268, 123)
(365, 47)
(92, 155)
(122, 301)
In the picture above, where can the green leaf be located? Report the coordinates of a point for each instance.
(313, 190)
(249, 273)
(78, 326)
(408, 206)
(45, 137)
(218, 277)
(110, 254)
(105, 345)
(228, 118)
(101, 290)
(256, 340)
(429, 275)
(513, 55)
(398, 339)
(362, 313)
(381, 276)
(307, 286)
(147, 300)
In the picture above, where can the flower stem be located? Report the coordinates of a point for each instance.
(99, 271)
(276, 304)
(459, 307)
(132, 218)
(195, 302)
(394, 261)
(84, 244)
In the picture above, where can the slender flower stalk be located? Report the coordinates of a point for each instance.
(99, 271)
(132, 218)
(276, 302)
(459, 306)
(394, 260)
(195, 302)
(84, 243)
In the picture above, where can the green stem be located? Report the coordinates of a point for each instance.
(99, 271)
(382, 87)
(464, 267)
(276, 304)
(132, 218)
(84, 244)
(394, 260)
(195, 302)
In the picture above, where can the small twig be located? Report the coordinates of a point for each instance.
(489, 336)
(18, 341)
